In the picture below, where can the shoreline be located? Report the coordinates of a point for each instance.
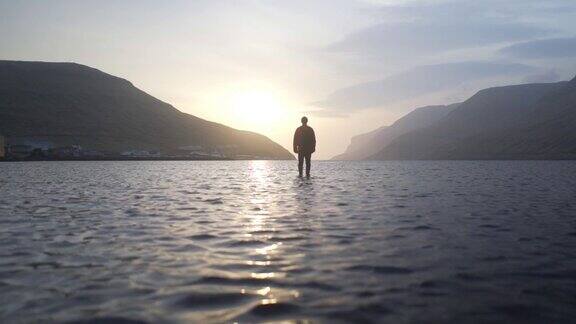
(122, 159)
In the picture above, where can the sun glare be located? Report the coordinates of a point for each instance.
(256, 107)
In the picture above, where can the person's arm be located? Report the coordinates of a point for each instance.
(296, 140)
(313, 141)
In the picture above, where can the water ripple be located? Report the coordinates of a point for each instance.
(247, 241)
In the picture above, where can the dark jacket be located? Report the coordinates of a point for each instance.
(304, 140)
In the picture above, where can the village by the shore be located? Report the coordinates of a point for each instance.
(31, 149)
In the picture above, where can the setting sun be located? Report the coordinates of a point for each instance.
(256, 106)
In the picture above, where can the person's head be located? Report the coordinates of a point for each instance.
(304, 120)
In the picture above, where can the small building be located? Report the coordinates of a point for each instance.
(20, 147)
(72, 151)
(140, 154)
(2, 147)
(20, 151)
(246, 157)
(191, 148)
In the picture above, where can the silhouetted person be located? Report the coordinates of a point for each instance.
(304, 145)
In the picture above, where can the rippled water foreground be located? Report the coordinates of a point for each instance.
(250, 242)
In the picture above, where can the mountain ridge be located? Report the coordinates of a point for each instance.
(377, 139)
(69, 103)
(525, 121)
(467, 131)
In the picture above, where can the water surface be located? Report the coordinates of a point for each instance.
(411, 242)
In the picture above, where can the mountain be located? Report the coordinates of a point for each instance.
(360, 147)
(364, 146)
(529, 121)
(68, 103)
(547, 132)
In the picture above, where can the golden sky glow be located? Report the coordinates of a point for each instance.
(255, 108)
(351, 66)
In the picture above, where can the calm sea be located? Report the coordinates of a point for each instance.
(248, 241)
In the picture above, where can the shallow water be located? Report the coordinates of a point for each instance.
(250, 242)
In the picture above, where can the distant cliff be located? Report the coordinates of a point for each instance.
(546, 131)
(360, 146)
(71, 104)
(528, 121)
(366, 145)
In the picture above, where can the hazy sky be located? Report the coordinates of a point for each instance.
(351, 66)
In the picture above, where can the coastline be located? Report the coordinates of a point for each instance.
(118, 159)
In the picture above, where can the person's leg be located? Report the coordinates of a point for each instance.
(308, 161)
(300, 163)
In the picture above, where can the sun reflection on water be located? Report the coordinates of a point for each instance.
(259, 200)
(259, 216)
(268, 249)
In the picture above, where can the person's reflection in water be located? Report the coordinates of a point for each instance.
(304, 146)
(305, 195)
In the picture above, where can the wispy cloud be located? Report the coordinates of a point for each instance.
(413, 31)
(326, 113)
(543, 77)
(542, 48)
(449, 46)
(418, 81)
